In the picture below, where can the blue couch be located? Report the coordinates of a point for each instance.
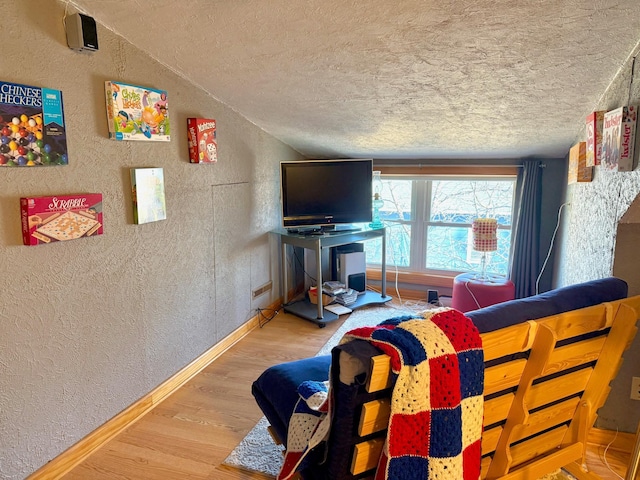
(275, 391)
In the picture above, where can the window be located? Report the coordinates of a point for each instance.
(428, 220)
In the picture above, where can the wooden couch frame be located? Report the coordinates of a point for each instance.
(544, 382)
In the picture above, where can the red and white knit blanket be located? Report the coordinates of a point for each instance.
(435, 426)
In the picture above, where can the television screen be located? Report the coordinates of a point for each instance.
(326, 192)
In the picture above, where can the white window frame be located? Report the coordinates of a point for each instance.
(420, 208)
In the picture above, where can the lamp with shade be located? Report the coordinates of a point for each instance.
(485, 239)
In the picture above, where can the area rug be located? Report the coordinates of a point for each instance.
(257, 452)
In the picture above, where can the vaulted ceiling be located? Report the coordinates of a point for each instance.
(405, 79)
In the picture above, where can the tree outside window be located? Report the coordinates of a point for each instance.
(429, 221)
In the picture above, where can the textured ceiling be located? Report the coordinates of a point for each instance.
(405, 79)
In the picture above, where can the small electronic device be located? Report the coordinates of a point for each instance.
(82, 32)
(352, 268)
(432, 297)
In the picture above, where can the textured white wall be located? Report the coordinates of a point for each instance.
(588, 243)
(89, 326)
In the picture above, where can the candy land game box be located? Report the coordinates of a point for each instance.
(137, 113)
(60, 218)
(32, 128)
(201, 134)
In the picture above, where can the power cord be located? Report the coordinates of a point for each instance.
(604, 456)
(264, 319)
(553, 237)
(466, 284)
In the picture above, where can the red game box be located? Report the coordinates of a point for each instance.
(201, 133)
(594, 137)
(60, 218)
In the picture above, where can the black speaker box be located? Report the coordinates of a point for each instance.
(82, 32)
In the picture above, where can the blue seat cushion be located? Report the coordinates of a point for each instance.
(276, 389)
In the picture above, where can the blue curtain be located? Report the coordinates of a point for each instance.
(525, 257)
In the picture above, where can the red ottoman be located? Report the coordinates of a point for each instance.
(470, 293)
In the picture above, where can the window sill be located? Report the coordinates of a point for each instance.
(412, 278)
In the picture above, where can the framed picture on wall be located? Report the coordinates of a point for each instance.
(147, 189)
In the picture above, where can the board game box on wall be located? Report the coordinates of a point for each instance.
(60, 218)
(147, 188)
(137, 113)
(32, 127)
(594, 138)
(618, 139)
(201, 135)
(578, 170)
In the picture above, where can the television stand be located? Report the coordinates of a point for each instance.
(315, 312)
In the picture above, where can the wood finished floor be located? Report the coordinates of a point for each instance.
(189, 435)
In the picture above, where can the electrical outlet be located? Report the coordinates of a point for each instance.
(263, 289)
(635, 388)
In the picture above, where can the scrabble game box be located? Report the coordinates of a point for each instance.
(32, 128)
(618, 139)
(201, 135)
(60, 218)
(137, 113)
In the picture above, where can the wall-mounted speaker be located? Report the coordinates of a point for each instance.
(82, 32)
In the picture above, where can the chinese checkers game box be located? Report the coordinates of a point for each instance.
(201, 134)
(137, 113)
(618, 139)
(60, 218)
(32, 128)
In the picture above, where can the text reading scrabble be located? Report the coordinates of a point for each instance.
(32, 128)
(60, 218)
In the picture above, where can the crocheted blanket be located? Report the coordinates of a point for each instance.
(435, 425)
(437, 402)
(308, 426)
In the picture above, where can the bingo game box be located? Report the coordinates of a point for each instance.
(60, 218)
(201, 134)
(137, 113)
(32, 128)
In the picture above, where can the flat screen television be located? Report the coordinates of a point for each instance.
(331, 194)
